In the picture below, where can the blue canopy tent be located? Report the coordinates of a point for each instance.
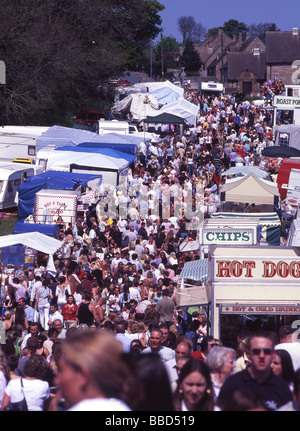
(52, 230)
(59, 136)
(89, 148)
(48, 180)
(165, 95)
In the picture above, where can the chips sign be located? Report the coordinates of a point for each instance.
(231, 236)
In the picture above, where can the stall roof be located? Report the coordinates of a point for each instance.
(166, 94)
(35, 240)
(246, 170)
(279, 151)
(265, 219)
(48, 180)
(51, 230)
(182, 108)
(164, 118)
(62, 160)
(59, 136)
(250, 189)
(130, 158)
(196, 270)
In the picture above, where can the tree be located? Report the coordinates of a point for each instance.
(169, 46)
(212, 32)
(190, 59)
(234, 28)
(59, 54)
(261, 29)
(190, 29)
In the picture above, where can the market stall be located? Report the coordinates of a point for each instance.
(20, 249)
(249, 193)
(193, 289)
(251, 281)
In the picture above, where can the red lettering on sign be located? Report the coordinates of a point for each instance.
(223, 268)
(236, 268)
(295, 269)
(269, 269)
(249, 265)
(283, 269)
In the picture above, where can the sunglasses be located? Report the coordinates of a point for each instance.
(258, 351)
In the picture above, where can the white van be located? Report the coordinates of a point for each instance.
(43, 155)
(11, 176)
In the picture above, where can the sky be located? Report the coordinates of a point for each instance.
(213, 13)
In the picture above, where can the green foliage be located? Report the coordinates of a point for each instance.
(190, 59)
(59, 54)
(234, 28)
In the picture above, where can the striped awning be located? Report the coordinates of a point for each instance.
(196, 270)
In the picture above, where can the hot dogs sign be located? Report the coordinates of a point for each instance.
(256, 269)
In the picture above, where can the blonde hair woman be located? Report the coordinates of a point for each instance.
(92, 374)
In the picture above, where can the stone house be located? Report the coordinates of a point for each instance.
(283, 56)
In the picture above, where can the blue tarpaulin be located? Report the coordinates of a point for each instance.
(99, 150)
(165, 95)
(52, 230)
(48, 180)
(13, 255)
(59, 136)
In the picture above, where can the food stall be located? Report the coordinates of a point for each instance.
(253, 281)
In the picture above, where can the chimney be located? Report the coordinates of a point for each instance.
(295, 31)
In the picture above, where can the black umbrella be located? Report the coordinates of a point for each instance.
(279, 151)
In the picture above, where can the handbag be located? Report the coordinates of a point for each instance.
(20, 406)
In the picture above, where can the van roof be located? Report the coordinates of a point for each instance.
(14, 167)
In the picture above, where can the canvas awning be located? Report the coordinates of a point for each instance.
(196, 270)
(164, 118)
(35, 240)
(246, 170)
(250, 189)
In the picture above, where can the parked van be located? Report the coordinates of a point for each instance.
(43, 155)
(284, 174)
(84, 116)
(11, 176)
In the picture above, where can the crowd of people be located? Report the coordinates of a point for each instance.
(104, 331)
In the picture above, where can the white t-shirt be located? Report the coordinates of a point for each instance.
(3, 384)
(35, 391)
(100, 404)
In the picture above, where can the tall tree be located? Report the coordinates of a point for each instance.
(234, 28)
(167, 47)
(190, 59)
(261, 29)
(190, 29)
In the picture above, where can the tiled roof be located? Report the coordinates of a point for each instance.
(282, 47)
(239, 62)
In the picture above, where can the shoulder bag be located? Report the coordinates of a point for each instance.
(20, 406)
